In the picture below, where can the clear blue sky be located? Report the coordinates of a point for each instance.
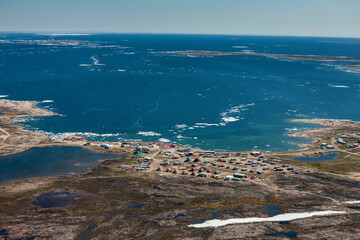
(245, 17)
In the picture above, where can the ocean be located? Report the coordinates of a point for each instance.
(116, 87)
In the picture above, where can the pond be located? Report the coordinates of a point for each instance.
(322, 157)
(272, 210)
(56, 198)
(291, 234)
(49, 161)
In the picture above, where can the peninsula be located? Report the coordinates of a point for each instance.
(285, 56)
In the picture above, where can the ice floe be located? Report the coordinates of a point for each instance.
(338, 86)
(181, 126)
(149, 133)
(96, 61)
(229, 119)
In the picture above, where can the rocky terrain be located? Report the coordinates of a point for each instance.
(115, 202)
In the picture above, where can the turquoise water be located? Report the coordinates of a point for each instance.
(48, 161)
(116, 87)
(322, 157)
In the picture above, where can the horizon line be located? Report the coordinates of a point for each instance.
(169, 33)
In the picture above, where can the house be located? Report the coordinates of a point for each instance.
(228, 178)
(238, 175)
(106, 146)
(256, 153)
(183, 149)
(165, 163)
(142, 148)
(165, 144)
(74, 138)
(341, 141)
(203, 174)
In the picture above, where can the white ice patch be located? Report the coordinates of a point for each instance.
(47, 101)
(85, 65)
(3, 96)
(232, 114)
(182, 137)
(82, 134)
(181, 126)
(164, 140)
(150, 133)
(121, 70)
(353, 202)
(96, 61)
(278, 218)
(292, 129)
(229, 119)
(206, 124)
(240, 47)
(338, 86)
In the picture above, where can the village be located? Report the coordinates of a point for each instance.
(169, 158)
(170, 188)
(253, 165)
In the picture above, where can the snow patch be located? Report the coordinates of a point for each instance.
(278, 218)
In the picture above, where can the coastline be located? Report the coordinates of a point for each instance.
(14, 138)
(116, 196)
(286, 56)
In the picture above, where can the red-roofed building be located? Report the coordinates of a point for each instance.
(74, 138)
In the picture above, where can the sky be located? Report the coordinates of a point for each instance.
(333, 18)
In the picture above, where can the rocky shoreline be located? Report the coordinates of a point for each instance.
(115, 201)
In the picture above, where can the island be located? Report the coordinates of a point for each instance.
(285, 56)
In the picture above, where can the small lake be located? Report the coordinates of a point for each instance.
(290, 234)
(49, 161)
(323, 157)
(272, 210)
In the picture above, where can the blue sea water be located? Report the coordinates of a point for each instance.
(117, 86)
